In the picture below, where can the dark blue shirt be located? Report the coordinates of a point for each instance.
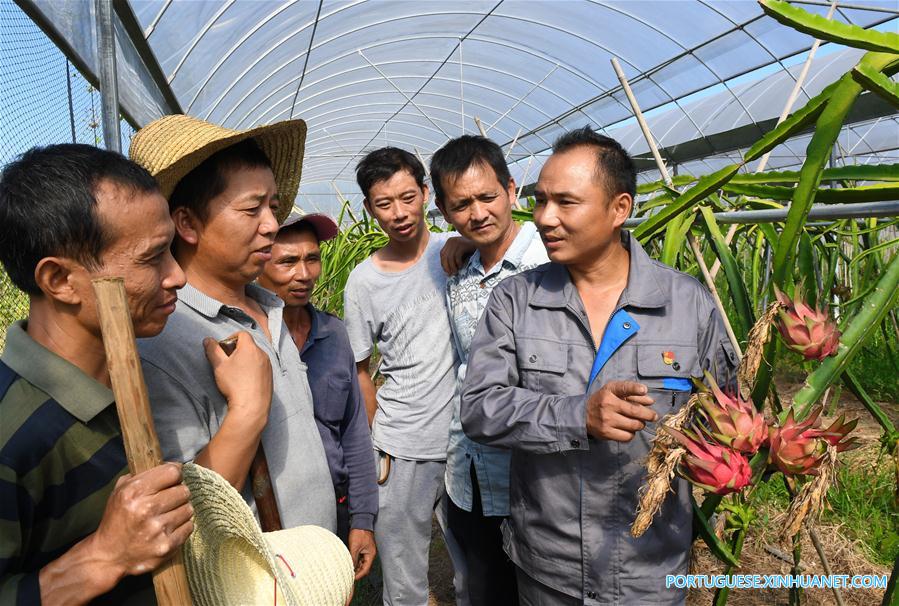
(340, 415)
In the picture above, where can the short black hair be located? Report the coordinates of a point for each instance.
(208, 180)
(460, 154)
(382, 164)
(48, 206)
(613, 164)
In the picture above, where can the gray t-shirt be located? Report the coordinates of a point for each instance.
(404, 313)
(188, 408)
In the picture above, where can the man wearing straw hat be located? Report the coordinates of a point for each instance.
(292, 273)
(572, 365)
(227, 192)
(75, 527)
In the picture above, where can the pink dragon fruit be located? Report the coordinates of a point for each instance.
(796, 447)
(836, 434)
(731, 420)
(712, 467)
(808, 331)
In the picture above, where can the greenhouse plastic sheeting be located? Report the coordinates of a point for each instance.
(413, 73)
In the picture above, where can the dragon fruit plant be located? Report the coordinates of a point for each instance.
(712, 467)
(806, 330)
(731, 420)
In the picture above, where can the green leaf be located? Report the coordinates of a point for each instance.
(679, 181)
(876, 411)
(838, 195)
(738, 294)
(856, 172)
(522, 215)
(877, 82)
(834, 31)
(827, 129)
(718, 547)
(795, 122)
(684, 201)
(675, 236)
(858, 330)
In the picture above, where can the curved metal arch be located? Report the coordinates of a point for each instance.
(264, 114)
(367, 132)
(237, 45)
(199, 36)
(334, 136)
(345, 33)
(432, 107)
(475, 85)
(503, 44)
(365, 68)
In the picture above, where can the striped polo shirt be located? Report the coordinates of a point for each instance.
(61, 452)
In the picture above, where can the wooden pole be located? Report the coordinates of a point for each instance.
(260, 479)
(133, 405)
(667, 177)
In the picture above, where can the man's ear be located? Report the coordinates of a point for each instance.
(187, 225)
(367, 206)
(426, 194)
(512, 191)
(621, 208)
(55, 277)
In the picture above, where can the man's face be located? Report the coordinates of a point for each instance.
(294, 268)
(478, 205)
(574, 213)
(140, 231)
(236, 239)
(398, 205)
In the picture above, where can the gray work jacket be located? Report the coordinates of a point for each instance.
(573, 497)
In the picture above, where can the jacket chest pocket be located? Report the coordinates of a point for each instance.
(667, 370)
(542, 364)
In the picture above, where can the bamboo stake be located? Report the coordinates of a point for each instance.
(483, 132)
(788, 107)
(667, 177)
(133, 405)
(524, 178)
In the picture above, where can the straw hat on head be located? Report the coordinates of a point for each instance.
(172, 146)
(230, 561)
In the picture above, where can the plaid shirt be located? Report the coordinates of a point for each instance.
(467, 293)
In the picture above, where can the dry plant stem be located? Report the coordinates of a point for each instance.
(820, 549)
(664, 457)
(759, 336)
(809, 501)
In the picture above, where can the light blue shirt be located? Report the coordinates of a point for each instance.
(466, 294)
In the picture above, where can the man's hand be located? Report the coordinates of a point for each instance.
(455, 253)
(244, 377)
(147, 518)
(363, 550)
(619, 410)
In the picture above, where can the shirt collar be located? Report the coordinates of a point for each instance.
(210, 307)
(557, 290)
(82, 396)
(319, 329)
(514, 254)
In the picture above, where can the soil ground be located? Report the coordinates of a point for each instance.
(844, 555)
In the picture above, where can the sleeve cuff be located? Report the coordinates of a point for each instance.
(571, 421)
(362, 521)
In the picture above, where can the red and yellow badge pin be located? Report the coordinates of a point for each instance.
(668, 357)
